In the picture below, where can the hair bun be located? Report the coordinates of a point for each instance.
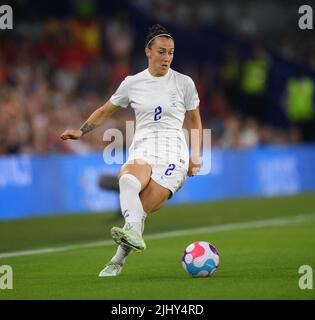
(157, 28)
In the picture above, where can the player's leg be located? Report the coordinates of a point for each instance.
(154, 196)
(133, 177)
(165, 180)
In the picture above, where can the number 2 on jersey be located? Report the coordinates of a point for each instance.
(157, 113)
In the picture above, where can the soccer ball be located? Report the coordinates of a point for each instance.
(200, 259)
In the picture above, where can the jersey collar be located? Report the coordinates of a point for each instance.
(158, 78)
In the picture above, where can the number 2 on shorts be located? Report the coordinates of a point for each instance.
(170, 168)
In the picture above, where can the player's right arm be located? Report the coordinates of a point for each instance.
(95, 119)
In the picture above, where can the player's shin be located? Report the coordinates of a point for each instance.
(130, 203)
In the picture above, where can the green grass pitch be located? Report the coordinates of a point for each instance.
(258, 261)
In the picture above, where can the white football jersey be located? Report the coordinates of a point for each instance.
(160, 104)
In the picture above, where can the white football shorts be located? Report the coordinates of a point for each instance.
(169, 169)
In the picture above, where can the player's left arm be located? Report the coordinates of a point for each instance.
(194, 127)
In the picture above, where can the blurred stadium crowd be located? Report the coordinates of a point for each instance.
(54, 72)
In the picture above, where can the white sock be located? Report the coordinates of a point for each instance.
(121, 254)
(130, 203)
(132, 211)
(143, 221)
(131, 186)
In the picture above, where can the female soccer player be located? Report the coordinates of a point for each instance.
(159, 159)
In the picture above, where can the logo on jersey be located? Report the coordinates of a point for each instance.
(173, 97)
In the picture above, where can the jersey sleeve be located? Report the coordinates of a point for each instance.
(121, 97)
(191, 95)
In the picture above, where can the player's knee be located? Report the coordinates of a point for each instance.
(121, 173)
(125, 169)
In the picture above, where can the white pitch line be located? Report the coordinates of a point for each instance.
(170, 234)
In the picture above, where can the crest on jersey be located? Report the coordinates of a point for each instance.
(173, 97)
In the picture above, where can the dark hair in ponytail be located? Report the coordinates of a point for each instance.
(155, 31)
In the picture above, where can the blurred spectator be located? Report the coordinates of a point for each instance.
(300, 107)
(119, 37)
(231, 135)
(249, 136)
(230, 75)
(88, 34)
(254, 73)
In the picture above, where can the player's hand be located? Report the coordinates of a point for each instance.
(194, 167)
(71, 134)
